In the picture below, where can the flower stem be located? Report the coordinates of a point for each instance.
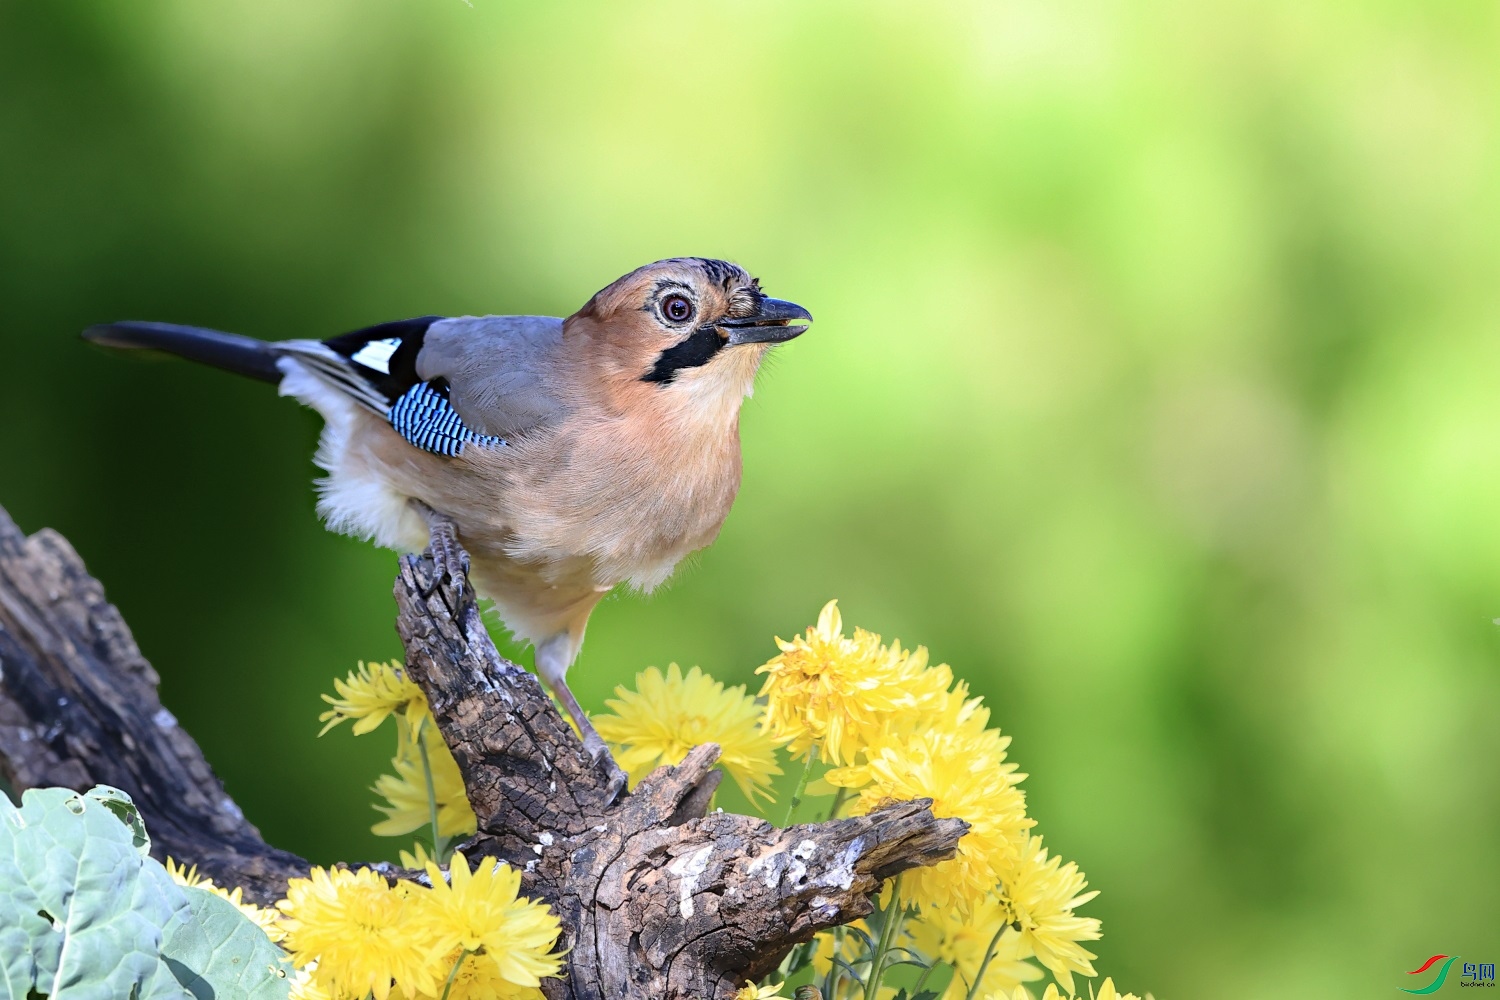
(801, 787)
(989, 953)
(452, 975)
(838, 802)
(831, 981)
(432, 809)
(894, 915)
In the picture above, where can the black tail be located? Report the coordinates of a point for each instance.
(229, 351)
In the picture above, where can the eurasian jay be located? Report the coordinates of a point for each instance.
(552, 458)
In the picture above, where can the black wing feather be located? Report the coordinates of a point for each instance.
(401, 369)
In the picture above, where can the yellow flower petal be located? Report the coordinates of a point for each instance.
(947, 935)
(1043, 894)
(368, 697)
(417, 857)
(964, 774)
(479, 979)
(841, 694)
(482, 911)
(405, 792)
(361, 932)
(667, 715)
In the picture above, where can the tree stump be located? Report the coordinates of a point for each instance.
(657, 898)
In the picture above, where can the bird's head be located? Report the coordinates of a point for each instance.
(689, 326)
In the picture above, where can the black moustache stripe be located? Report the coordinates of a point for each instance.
(697, 350)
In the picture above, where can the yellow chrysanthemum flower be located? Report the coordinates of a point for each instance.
(752, 992)
(265, 918)
(955, 712)
(840, 694)
(1020, 993)
(417, 857)
(482, 912)
(188, 877)
(478, 979)
(304, 987)
(1016, 993)
(946, 936)
(376, 692)
(405, 792)
(1043, 894)
(362, 933)
(666, 716)
(965, 776)
(1107, 991)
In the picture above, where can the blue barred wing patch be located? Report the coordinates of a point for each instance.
(424, 417)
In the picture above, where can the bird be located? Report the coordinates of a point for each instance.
(548, 460)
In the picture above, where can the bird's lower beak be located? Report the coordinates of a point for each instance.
(771, 324)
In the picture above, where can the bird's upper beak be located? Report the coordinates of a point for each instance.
(771, 324)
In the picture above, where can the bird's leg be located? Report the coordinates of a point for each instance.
(448, 557)
(553, 657)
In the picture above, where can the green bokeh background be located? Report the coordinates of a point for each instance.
(1154, 387)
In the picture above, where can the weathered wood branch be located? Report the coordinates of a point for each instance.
(657, 898)
(78, 707)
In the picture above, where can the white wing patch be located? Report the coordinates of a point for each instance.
(376, 355)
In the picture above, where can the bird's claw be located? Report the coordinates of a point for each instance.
(617, 781)
(450, 561)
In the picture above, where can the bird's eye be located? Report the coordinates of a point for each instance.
(677, 308)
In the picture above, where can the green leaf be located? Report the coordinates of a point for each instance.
(935, 981)
(85, 914)
(125, 811)
(80, 912)
(799, 957)
(218, 952)
(849, 970)
(21, 925)
(869, 942)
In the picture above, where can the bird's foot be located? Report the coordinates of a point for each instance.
(449, 559)
(618, 780)
(552, 658)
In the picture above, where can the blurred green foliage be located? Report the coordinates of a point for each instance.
(1153, 386)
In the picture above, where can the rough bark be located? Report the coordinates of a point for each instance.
(78, 707)
(657, 899)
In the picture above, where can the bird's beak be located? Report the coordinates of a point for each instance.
(771, 324)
